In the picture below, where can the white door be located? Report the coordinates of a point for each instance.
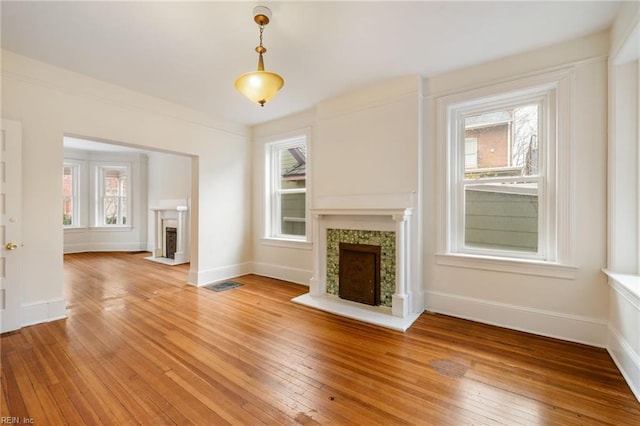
(11, 226)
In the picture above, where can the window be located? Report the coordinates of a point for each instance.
(70, 198)
(501, 184)
(506, 150)
(112, 207)
(287, 189)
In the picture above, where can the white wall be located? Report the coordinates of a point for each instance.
(367, 142)
(51, 102)
(571, 309)
(623, 266)
(169, 179)
(90, 238)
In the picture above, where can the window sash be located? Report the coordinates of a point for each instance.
(72, 199)
(112, 207)
(277, 217)
(117, 204)
(514, 226)
(461, 184)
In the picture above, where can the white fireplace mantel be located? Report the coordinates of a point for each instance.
(363, 217)
(407, 211)
(177, 213)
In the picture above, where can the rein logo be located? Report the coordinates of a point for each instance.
(5, 420)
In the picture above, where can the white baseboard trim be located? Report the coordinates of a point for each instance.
(572, 328)
(200, 278)
(626, 359)
(44, 311)
(91, 247)
(286, 273)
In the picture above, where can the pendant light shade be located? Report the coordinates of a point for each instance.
(260, 86)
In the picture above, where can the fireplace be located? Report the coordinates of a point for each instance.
(170, 232)
(171, 241)
(384, 220)
(359, 273)
(338, 237)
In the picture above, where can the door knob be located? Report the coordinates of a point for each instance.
(11, 246)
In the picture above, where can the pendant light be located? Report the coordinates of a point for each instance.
(260, 86)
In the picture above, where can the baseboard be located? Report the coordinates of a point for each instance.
(286, 273)
(572, 328)
(104, 247)
(626, 359)
(44, 311)
(222, 273)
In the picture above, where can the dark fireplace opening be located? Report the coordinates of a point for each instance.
(171, 242)
(359, 273)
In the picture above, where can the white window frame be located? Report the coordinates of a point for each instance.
(100, 169)
(554, 256)
(75, 193)
(545, 182)
(272, 224)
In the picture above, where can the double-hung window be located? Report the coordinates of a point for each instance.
(287, 188)
(113, 189)
(500, 188)
(506, 193)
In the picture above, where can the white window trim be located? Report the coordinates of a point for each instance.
(544, 99)
(559, 247)
(99, 191)
(286, 243)
(270, 222)
(76, 221)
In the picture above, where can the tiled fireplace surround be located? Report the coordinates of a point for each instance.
(382, 216)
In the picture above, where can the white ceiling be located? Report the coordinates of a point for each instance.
(191, 52)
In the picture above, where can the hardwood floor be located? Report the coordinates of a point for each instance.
(142, 347)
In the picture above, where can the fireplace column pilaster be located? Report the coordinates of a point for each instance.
(400, 299)
(180, 243)
(157, 233)
(318, 284)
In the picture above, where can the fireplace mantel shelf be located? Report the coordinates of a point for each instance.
(405, 211)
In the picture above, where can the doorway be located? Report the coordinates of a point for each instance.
(154, 177)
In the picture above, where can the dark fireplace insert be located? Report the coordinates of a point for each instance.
(359, 273)
(171, 242)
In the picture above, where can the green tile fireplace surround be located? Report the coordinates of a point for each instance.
(369, 219)
(387, 242)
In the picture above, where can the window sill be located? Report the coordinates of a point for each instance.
(514, 266)
(625, 284)
(286, 243)
(72, 229)
(115, 228)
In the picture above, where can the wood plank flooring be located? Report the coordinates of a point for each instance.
(142, 347)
